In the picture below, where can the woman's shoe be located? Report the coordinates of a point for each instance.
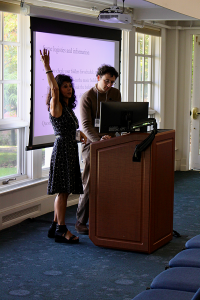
(60, 233)
(52, 229)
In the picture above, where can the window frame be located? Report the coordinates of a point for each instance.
(143, 82)
(18, 122)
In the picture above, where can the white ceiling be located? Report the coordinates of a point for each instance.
(98, 4)
(142, 10)
(154, 11)
(135, 3)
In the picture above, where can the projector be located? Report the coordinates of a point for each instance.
(114, 17)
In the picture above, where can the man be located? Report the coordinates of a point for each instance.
(90, 113)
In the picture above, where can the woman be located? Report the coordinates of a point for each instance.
(64, 174)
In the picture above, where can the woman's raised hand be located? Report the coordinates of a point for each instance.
(45, 58)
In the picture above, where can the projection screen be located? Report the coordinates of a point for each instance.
(76, 50)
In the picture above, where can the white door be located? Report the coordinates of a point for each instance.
(195, 125)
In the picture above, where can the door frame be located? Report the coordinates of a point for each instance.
(195, 102)
(186, 145)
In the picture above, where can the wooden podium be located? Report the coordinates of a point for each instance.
(131, 203)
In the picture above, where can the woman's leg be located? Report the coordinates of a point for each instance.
(55, 213)
(60, 210)
(52, 229)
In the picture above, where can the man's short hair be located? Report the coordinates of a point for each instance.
(107, 69)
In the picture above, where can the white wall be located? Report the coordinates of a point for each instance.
(188, 8)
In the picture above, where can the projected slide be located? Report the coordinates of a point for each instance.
(78, 57)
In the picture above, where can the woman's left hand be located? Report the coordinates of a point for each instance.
(83, 137)
(45, 58)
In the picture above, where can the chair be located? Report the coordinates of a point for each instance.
(193, 242)
(186, 258)
(180, 278)
(164, 295)
(196, 295)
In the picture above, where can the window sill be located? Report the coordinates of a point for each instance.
(12, 124)
(12, 186)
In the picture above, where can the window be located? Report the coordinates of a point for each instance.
(12, 128)
(9, 72)
(8, 152)
(46, 157)
(147, 69)
(143, 62)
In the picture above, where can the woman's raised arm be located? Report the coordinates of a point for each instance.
(55, 105)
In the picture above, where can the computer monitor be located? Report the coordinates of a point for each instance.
(118, 116)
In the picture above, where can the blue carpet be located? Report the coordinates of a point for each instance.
(35, 267)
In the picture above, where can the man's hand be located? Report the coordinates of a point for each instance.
(105, 137)
(83, 137)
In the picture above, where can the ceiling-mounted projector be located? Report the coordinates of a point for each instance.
(114, 15)
(114, 18)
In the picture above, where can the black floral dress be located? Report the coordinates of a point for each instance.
(64, 173)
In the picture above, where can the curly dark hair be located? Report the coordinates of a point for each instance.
(60, 78)
(107, 69)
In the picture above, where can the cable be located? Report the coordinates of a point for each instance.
(123, 5)
(147, 142)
